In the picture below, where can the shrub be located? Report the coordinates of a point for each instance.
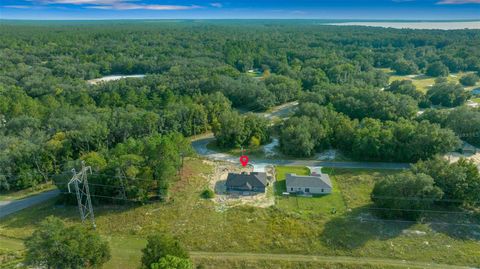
(208, 194)
(469, 80)
(160, 246)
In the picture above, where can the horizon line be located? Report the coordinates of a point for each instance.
(258, 19)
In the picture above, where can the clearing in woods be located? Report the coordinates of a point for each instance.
(288, 230)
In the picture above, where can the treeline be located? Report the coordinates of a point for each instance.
(235, 130)
(359, 103)
(314, 128)
(435, 183)
(41, 138)
(50, 118)
(137, 169)
(464, 121)
(191, 63)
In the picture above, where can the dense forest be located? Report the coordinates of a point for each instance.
(197, 76)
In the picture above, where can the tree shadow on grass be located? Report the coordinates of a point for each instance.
(279, 187)
(458, 226)
(355, 228)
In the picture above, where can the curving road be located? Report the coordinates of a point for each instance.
(9, 207)
(200, 145)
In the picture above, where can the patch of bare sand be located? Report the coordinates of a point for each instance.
(453, 157)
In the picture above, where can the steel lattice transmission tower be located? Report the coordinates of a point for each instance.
(79, 180)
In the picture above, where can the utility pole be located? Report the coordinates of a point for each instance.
(83, 193)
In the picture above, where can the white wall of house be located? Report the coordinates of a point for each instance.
(294, 189)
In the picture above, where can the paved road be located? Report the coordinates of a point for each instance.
(317, 258)
(200, 145)
(9, 207)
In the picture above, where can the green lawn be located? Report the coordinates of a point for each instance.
(476, 100)
(423, 82)
(283, 228)
(11, 252)
(356, 184)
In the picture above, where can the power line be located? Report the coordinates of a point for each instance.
(419, 199)
(119, 198)
(412, 221)
(419, 210)
(92, 184)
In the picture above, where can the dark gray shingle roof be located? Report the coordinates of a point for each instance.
(254, 179)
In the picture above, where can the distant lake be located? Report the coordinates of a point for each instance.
(454, 25)
(112, 78)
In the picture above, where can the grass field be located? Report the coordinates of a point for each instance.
(279, 229)
(423, 82)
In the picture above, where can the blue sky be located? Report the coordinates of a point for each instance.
(238, 9)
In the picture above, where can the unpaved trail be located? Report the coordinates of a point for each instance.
(319, 258)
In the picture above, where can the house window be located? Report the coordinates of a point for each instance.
(307, 189)
(322, 190)
(291, 189)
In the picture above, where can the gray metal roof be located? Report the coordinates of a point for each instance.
(318, 181)
(254, 179)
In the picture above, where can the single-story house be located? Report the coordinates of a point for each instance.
(314, 184)
(247, 182)
(476, 91)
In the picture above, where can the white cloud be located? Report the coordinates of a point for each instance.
(129, 6)
(458, 2)
(219, 5)
(116, 4)
(80, 2)
(299, 12)
(16, 6)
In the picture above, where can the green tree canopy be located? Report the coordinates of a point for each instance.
(460, 181)
(404, 195)
(404, 67)
(469, 79)
(447, 94)
(405, 87)
(437, 69)
(160, 246)
(172, 262)
(55, 245)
